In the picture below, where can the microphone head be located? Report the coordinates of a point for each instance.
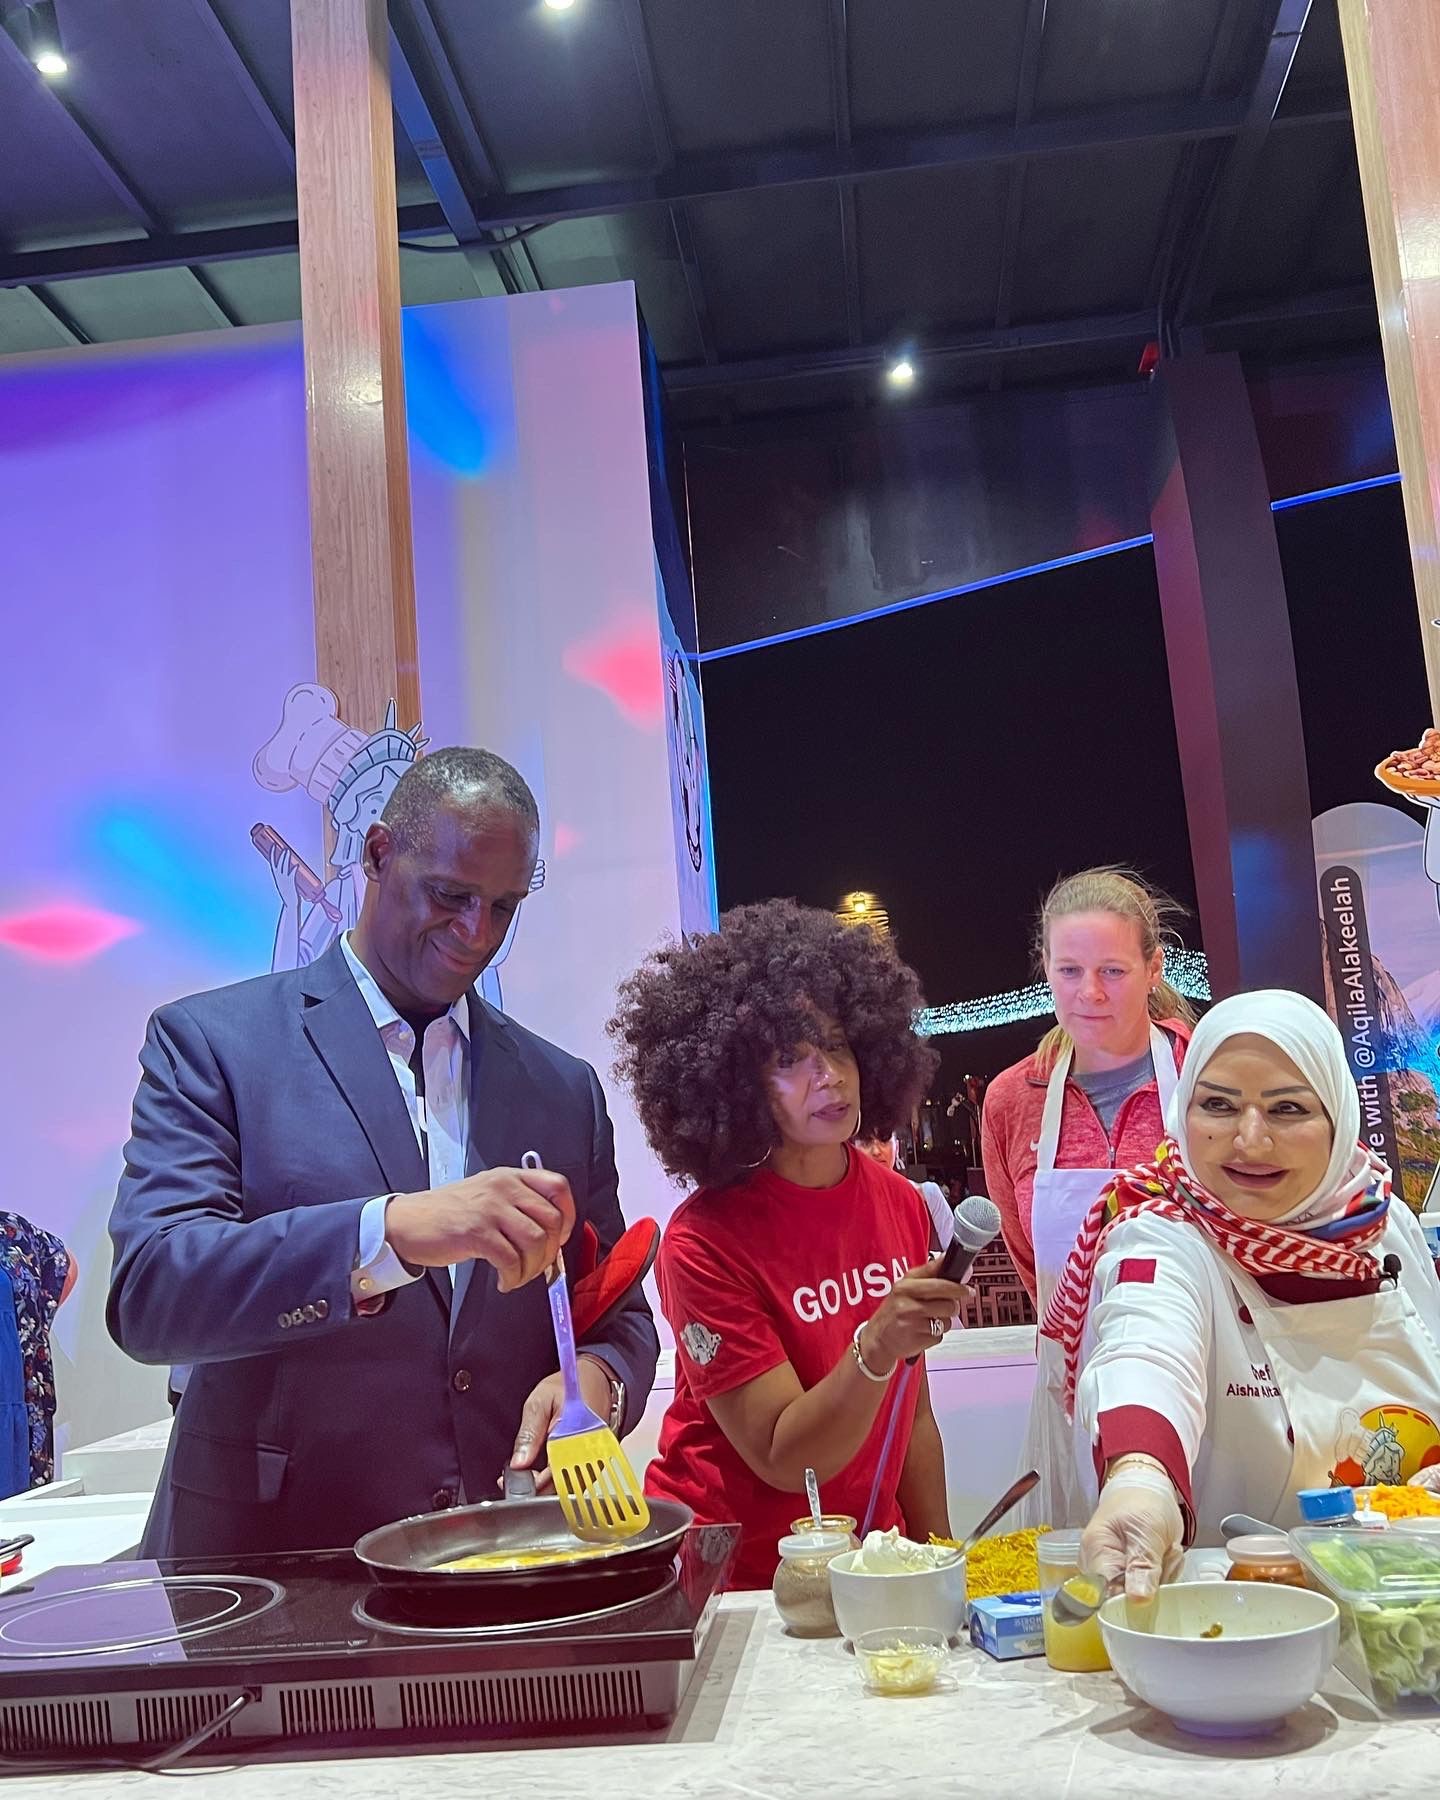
(977, 1221)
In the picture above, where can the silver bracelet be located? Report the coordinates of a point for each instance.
(860, 1362)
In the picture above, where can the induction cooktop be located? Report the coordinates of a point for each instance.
(143, 1663)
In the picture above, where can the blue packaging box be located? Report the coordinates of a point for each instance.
(1008, 1625)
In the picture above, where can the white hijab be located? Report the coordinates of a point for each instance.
(1308, 1036)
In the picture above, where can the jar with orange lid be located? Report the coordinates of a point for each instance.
(1271, 1559)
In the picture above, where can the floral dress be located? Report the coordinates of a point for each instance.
(36, 1263)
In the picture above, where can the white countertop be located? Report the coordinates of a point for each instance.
(770, 1717)
(70, 1528)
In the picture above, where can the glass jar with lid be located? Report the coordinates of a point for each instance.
(1267, 1558)
(802, 1582)
(845, 1523)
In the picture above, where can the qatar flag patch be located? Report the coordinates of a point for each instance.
(1136, 1268)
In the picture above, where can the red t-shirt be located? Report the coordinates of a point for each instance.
(757, 1275)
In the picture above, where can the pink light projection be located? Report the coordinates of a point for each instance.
(566, 838)
(623, 661)
(64, 932)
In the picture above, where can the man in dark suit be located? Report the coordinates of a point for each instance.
(323, 1210)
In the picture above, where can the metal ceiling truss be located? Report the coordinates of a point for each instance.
(663, 140)
(427, 97)
(1212, 238)
(845, 190)
(987, 344)
(1026, 85)
(119, 183)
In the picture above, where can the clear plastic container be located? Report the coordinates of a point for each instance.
(1257, 1558)
(901, 1659)
(802, 1582)
(1076, 1648)
(1387, 1586)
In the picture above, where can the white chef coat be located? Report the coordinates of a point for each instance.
(1176, 1328)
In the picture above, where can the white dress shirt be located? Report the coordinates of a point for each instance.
(441, 1120)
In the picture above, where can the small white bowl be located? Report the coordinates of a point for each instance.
(1275, 1647)
(927, 1597)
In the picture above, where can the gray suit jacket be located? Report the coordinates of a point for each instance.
(267, 1114)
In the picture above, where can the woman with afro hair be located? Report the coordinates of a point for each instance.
(797, 1277)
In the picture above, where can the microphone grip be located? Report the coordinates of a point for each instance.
(957, 1261)
(954, 1266)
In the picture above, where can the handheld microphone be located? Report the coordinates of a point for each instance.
(977, 1223)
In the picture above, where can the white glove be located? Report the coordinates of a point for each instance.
(1136, 1531)
(1429, 1479)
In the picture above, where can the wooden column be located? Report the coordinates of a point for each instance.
(360, 537)
(1392, 58)
(1232, 685)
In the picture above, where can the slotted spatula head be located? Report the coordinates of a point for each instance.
(596, 1486)
(597, 1489)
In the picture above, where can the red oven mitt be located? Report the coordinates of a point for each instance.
(596, 1294)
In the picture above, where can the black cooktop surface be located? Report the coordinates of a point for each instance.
(184, 1621)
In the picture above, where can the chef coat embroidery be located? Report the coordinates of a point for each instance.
(1136, 1268)
(700, 1343)
(1261, 1388)
(1385, 1445)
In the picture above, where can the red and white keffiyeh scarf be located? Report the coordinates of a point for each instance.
(1166, 1187)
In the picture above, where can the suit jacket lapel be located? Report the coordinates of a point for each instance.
(338, 1024)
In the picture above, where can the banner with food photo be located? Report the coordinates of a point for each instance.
(1378, 876)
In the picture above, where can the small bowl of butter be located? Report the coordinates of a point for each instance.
(901, 1659)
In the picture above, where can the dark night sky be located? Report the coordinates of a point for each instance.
(957, 757)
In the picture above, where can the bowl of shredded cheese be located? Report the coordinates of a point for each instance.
(1007, 1564)
(1400, 1502)
(901, 1659)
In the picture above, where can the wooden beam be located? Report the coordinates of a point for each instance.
(1392, 59)
(360, 535)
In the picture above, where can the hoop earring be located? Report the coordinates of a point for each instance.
(859, 1120)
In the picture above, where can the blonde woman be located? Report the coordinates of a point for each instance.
(1092, 1098)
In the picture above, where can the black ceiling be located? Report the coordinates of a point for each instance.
(1023, 190)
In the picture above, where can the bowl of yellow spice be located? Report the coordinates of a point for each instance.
(1005, 1564)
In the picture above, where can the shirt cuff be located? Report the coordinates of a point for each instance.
(378, 1270)
(1132, 1430)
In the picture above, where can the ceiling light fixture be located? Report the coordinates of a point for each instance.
(901, 373)
(35, 29)
(559, 5)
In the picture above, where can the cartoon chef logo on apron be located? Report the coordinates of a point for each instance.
(1386, 1445)
(1062, 1198)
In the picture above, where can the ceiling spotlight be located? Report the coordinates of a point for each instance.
(559, 5)
(901, 373)
(32, 25)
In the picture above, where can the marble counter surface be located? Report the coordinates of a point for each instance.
(770, 1717)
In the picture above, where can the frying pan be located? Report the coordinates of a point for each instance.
(406, 1554)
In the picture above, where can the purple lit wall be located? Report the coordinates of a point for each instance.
(157, 599)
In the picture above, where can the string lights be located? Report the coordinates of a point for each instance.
(1185, 970)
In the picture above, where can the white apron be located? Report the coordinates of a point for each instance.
(1351, 1373)
(1062, 1198)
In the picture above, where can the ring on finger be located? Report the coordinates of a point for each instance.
(937, 1328)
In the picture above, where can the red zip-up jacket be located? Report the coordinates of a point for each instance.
(1010, 1128)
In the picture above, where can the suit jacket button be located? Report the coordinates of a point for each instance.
(442, 1499)
(322, 1309)
(461, 1381)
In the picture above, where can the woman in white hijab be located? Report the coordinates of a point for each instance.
(1250, 1314)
